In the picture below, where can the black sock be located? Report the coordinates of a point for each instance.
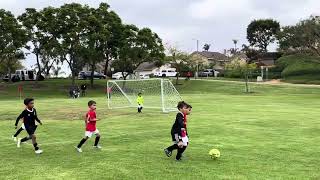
(96, 141)
(25, 139)
(81, 142)
(180, 152)
(18, 132)
(173, 147)
(35, 145)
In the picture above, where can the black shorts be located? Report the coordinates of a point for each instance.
(31, 129)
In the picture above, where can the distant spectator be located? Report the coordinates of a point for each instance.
(83, 90)
(188, 75)
(74, 92)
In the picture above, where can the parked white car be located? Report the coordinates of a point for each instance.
(166, 73)
(118, 75)
(144, 76)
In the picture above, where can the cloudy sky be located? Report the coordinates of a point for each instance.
(180, 22)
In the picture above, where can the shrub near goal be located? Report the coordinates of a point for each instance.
(157, 93)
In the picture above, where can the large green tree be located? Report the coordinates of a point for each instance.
(12, 39)
(260, 33)
(30, 20)
(71, 28)
(303, 37)
(138, 46)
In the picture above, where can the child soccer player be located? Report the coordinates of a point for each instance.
(91, 119)
(29, 116)
(140, 102)
(178, 132)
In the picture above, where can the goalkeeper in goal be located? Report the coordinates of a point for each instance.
(140, 102)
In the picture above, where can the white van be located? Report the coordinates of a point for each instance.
(166, 73)
(25, 75)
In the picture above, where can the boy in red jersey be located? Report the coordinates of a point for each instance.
(91, 119)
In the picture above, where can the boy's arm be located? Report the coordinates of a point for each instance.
(18, 119)
(179, 119)
(37, 119)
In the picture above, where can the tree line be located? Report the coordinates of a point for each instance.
(78, 35)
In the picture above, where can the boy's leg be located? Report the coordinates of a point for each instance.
(18, 132)
(180, 152)
(96, 142)
(34, 142)
(25, 139)
(175, 140)
(173, 147)
(83, 140)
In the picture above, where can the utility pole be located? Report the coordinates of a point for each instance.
(196, 75)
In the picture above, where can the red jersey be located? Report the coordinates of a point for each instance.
(91, 125)
(184, 133)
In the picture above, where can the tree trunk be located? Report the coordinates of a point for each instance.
(73, 78)
(106, 65)
(39, 67)
(9, 71)
(247, 85)
(92, 74)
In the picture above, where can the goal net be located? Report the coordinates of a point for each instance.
(157, 93)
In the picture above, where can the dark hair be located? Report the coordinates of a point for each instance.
(139, 93)
(181, 104)
(90, 103)
(27, 101)
(189, 106)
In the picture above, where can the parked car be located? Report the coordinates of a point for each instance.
(206, 73)
(87, 75)
(118, 75)
(166, 73)
(144, 76)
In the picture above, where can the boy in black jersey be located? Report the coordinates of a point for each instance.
(29, 116)
(178, 132)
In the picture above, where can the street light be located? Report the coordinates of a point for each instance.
(197, 40)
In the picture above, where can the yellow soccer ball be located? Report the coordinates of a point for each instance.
(214, 153)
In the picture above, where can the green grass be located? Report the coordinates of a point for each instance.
(273, 133)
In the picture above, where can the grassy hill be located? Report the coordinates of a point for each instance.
(269, 134)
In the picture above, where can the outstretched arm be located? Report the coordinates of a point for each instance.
(37, 119)
(18, 119)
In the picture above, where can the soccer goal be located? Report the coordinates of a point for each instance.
(157, 93)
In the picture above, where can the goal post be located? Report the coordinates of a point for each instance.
(157, 93)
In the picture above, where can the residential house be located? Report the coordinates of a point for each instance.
(266, 59)
(206, 58)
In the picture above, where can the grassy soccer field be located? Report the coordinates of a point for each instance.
(273, 133)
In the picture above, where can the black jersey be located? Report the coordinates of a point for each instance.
(178, 124)
(29, 117)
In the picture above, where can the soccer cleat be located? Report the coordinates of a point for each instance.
(79, 149)
(167, 152)
(178, 160)
(97, 147)
(39, 151)
(14, 139)
(19, 142)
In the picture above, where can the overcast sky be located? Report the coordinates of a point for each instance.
(180, 22)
